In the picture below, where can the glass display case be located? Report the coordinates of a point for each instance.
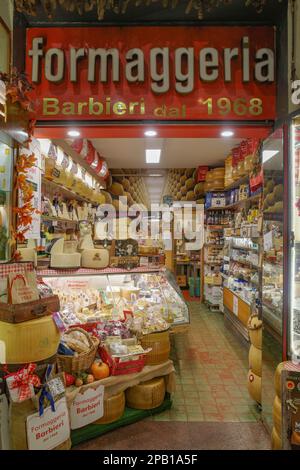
(272, 294)
(6, 166)
(153, 294)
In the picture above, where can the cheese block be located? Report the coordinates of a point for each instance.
(95, 258)
(147, 395)
(28, 255)
(126, 292)
(58, 259)
(30, 341)
(254, 386)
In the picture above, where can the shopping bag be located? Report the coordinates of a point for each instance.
(22, 287)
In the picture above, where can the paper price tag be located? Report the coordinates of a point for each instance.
(268, 241)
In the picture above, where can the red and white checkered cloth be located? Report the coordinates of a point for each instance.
(6, 269)
(292, 367)
(82, 271)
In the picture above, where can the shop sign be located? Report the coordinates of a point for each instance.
(87, 406)
(49, 430)
(162, 73)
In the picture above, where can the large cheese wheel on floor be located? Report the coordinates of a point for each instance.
(30, 341)
(277, 379)
(147, 395)
(160, 345)
(254, 386)
(255, 359)
(113, 407)
(276, 441)
(277, 415)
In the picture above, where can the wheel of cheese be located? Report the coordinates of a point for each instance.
(218, 172)
(277, 379)
(189, 172)
(254, 386)
(255, 331)
(255, 360)
(278, 192)
(182, 180)
(109, 181)
(125, 184)
(116, 189)
(147, 395)
(277, 415)
(276, 441)
(190, 196)
(189, 184)
(30, 341)
(209, 176)
(183, 191)
(100, 198)
(199, 189)
(200, 201)
(108, 198)
(160, 347)
(113, 408)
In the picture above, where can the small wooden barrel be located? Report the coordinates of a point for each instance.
(160, 345)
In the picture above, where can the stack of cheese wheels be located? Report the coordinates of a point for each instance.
(215, 179)
(228, 178)
(116, 189)
(276, 438)
(147, 395)
(113, 408)
(108, 198)
(255, 358)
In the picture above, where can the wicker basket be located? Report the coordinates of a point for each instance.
(81, 362)
(160, 345)
(146, 395)
(113, 409)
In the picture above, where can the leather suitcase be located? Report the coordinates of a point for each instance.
(18, 313)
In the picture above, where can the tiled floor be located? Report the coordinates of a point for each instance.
(211, 406)
(211, 373)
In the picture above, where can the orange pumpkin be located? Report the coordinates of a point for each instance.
(100, 370)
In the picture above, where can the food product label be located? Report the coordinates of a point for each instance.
(49, 430)
(87, 406)
(235, 305)
(268, 241)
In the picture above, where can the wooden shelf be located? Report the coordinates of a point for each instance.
(215, 245)
(255, 250)
(66, 192)
(245, 263)
(237, 183)
(236, 204)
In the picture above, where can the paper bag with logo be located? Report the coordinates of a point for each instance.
(22, 287)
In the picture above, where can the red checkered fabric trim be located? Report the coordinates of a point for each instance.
(70, 272)
(292, 367)
(6, 269)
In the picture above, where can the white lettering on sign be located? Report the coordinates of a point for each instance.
(49, 430)
(101, 63)
(87, 406)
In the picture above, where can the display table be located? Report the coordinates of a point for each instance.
(113, 385)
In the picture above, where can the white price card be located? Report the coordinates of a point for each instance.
(235, 305)
(268, 241)
(49, 430)
(87, 406)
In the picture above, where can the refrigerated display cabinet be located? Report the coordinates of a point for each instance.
(152, 292)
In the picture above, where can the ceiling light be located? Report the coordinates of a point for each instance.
(150, 133)
(267, 154)
(73, 133)
(153, 155)
(227, 133)
(154, 174)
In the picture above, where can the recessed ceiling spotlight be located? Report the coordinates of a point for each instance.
(73, 133)
(227, 133)
(150, 133)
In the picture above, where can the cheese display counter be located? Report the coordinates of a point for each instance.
(152, 297)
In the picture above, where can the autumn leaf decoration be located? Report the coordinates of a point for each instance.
(25, 212)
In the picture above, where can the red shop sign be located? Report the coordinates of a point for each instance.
(154, 72)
